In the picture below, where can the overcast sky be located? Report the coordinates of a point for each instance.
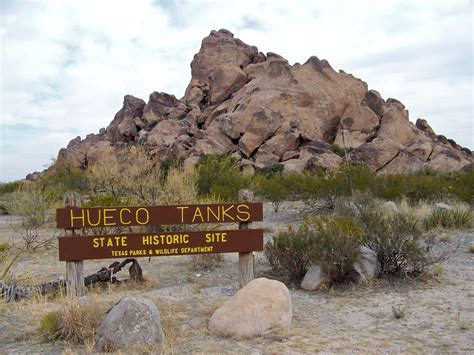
(66, 65)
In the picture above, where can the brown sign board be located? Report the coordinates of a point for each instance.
(76, 217)
(75, 248)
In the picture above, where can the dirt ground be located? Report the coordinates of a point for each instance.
(437, 313)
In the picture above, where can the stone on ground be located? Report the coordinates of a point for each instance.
(133, 323)
(256, 309)
(314, 279)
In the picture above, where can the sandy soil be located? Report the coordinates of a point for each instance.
(340, 320)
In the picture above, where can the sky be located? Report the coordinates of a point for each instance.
(66, 65)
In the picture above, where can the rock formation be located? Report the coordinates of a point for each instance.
(265, 111)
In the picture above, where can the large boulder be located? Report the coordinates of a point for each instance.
(123, 128)
(357, 123)
(367, 267)
(158, 107)
(260, 107)
(131, 324)
(315, 279)
(256, 309)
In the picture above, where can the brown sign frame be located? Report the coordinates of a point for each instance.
(134, 245)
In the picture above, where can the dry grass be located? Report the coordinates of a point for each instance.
(172, 313)
(420, 210)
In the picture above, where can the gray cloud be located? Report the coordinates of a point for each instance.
(67, 65)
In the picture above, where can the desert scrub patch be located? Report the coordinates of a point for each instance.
(290, 251)
(49, 328)
(220, 176)
(335, 244)
(273, 188)
(75, 322)
(444, 218)
(401, 244)
(4, 247)
(205, 261)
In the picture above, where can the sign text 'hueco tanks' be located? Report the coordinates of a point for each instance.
(158, 215)
(159, 244)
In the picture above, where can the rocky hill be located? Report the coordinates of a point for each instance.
(264, 111)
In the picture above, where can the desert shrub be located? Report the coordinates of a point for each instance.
(130, 174)
(180, 186)
(322, 189)
(205, 261)
(455, 218)
(50, 326)
(9, 187)
(35, 204)
(415, 187)
(471, 248)
(61, 177)
(335, 244)
(168, 164)
(339, 150)
(270, 171)
(8, 258)
(4, 247)
(290, 251)
(219, 175)
(460, 185)
(75, 322)
(274, 189)
(399, 242)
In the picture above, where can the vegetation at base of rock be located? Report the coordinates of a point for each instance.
(74, 322)
(401, 245)
(9, 187)
(50, 326)
(335, 244)
(272, 170)
(290, 251)
(342, 152)
(455, 218)
(220, 176)
(331, 242)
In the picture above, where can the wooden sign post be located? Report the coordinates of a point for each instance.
(74, 248)
(74, 269)
(246, 259)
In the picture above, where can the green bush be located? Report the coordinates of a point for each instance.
(49, 328)
(339, 150)
(399, 242)
(63, 177)
(273, 188)
(322, 189)
(290, 252)
(332, 243)
(168, 164)
(335, 246)
(220, 176)
(4, 247)
(8, 187)
(270, 171)
(455, 218)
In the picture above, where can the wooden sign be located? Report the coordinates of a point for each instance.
(159, 244)
(76, 217)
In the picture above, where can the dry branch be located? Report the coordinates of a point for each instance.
(12, 291)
